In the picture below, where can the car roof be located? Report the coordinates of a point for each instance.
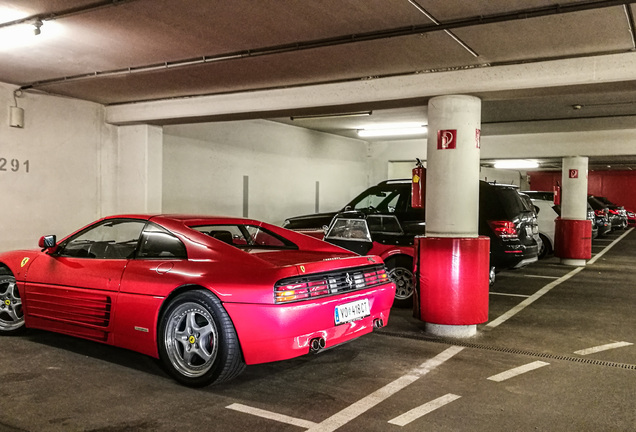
(187, 219)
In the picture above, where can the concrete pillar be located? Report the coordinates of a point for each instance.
(573, 243)
(453, 166)
(453, 260)
(131, 171)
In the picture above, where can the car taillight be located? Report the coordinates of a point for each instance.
(301, 291)
(310, 287)
(504, 229)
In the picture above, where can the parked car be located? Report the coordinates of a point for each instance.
(546, 215)
(631, 218)
(601, 217)
(545, 200)
(615, 218)
(206, 295)
(541, 195)
(535, 219)
(592, 217)
(393, 225)
(617, 214)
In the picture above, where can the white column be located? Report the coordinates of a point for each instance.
(574, 195)
(574, 190)
(452, 173)
(452, 197)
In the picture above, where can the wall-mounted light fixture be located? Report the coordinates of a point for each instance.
(16, 114)
(392, 130)
(37, 24)
(516, 164)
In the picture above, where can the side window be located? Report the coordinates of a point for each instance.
(157, 242)
(246, 236)
(112, 239)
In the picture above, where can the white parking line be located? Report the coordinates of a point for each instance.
(271, 415)
(517, 371)
(542, 277)
(352, 411)
(602, 348)
(422, 410)
(510, 295)
(527, 302)
(521, 275)
(611, 245)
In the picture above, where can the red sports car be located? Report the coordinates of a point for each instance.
(206, 295)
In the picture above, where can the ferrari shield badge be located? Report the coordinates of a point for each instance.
(24, 261)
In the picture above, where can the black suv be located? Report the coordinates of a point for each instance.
(503, 217)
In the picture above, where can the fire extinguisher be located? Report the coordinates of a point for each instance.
(557, 194)
(418, 185)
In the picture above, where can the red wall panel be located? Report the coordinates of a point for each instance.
(618, 186)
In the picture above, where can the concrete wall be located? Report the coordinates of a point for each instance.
(61, 142)
(617, 186)
(67, 167)
(205, 166)
(80, 168)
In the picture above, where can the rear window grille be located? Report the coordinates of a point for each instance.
(318, 285)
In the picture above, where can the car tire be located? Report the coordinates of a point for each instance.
(546, 248)
(11, 315)
(400, 270)
(198, 345)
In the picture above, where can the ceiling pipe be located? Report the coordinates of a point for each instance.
(328, 42)
(448, 32)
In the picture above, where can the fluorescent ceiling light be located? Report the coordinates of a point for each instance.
(392, 130)
(334, 115)
(516, 164)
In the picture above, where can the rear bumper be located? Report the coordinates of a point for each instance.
(517, 256)
(269, 332)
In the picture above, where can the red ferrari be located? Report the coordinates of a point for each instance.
(206, 295)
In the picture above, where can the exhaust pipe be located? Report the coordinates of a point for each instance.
(378, 323)
(317, 344)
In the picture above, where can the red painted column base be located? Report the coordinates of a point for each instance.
(452, 280)
(573, 239)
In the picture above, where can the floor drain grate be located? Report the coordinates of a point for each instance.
(508, 350)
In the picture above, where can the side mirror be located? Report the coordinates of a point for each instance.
(47, 242)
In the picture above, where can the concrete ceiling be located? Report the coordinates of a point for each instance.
(128, 51)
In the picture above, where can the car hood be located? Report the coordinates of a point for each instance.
(317, 220)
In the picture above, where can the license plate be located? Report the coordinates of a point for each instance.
(353, 311)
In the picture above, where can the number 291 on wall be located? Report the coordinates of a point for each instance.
(14, 165)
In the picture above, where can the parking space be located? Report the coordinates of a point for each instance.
(564, 361)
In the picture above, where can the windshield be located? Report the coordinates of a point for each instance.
(349, 229)
(500, 202)
(386, 198)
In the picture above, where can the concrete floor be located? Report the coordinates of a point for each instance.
(51, 382)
